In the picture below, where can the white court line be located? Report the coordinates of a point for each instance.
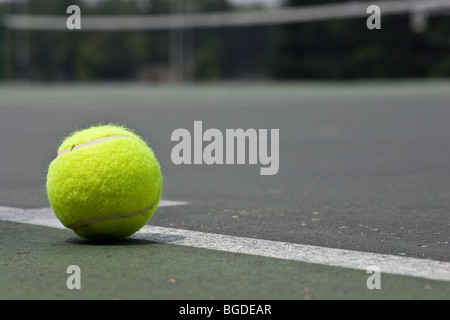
(421, 268)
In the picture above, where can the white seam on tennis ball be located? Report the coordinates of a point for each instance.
(89, 143)
(84, 223)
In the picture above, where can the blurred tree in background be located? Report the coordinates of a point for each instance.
(346, 49)
(340, 49)
(72, 55)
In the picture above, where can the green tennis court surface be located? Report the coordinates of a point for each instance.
(35, 260)
(363, 167)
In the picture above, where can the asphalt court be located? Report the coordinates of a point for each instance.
(363, 167)
(37, 260)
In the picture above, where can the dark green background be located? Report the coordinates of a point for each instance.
(343, 49)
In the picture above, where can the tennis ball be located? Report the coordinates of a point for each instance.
(105, 182)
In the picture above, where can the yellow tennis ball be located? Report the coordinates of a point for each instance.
(105, 182)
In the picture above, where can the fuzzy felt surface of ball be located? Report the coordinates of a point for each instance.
(105, 183)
